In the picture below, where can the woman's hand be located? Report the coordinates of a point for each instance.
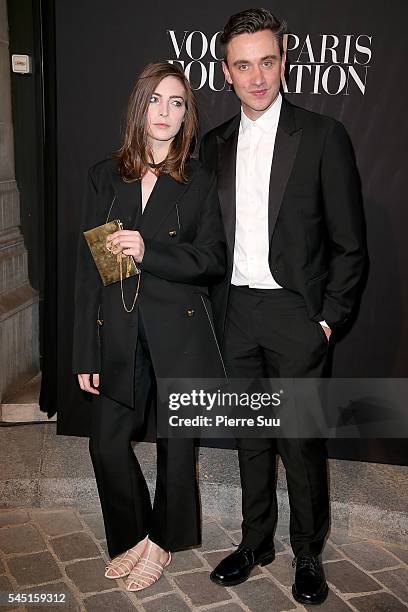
(127, 242)
(85, 382)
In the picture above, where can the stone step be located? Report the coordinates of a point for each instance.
(9, 199)
(23, 406)
(42, 469)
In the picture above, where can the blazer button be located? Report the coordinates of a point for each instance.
(99, 321)
(172, 233)
(190, 312)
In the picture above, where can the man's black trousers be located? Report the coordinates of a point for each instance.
(269, 334)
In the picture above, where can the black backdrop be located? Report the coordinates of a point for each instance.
(101, 45)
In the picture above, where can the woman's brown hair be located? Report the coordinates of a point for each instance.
(135, 155)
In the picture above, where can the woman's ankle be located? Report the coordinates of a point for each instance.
(157, 550)
(143, 539)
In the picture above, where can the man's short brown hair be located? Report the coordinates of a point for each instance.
(251, 21)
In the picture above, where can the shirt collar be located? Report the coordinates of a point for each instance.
(267, 121)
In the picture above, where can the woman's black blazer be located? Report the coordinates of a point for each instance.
(185, 252)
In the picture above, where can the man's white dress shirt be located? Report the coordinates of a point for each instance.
(256, 143)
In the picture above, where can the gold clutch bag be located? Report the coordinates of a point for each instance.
(110, 266)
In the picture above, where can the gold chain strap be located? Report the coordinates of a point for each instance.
(128, 270)
(128, 267)
(119, 256)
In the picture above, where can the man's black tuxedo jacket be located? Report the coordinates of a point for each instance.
(185, 251)
(315, 211)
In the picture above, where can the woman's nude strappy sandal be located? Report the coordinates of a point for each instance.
(146, 572)
(122, 565)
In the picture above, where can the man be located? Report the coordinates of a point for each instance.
(290, 199)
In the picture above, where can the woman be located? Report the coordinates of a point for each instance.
(126, 337)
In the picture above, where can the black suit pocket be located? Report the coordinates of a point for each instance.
(319, 277)
(307, 189)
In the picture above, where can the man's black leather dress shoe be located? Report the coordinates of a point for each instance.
(237, 567)
(310, 585)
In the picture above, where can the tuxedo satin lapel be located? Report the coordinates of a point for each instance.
(227, 157)
(284, 155)
(128, 203)
(165, 195)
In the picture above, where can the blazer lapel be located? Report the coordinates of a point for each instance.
(227, 157)
(165, 195)
(128, 203)
(286, 146)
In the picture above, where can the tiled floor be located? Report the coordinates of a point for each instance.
(57, 550)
